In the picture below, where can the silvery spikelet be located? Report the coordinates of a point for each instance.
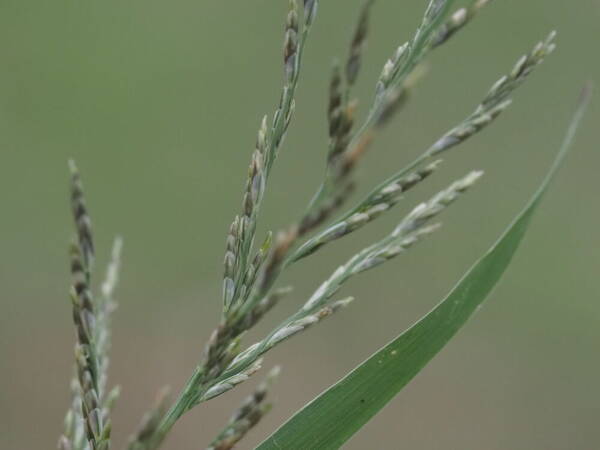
(290, 45)
(310, 11)
(458, 20)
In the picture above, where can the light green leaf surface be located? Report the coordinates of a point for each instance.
(335, 415)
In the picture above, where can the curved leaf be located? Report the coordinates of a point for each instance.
(335, 415)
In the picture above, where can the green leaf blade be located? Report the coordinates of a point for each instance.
(338, 413)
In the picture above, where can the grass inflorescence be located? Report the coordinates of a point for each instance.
(253, 264)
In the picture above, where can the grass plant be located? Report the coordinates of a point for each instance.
(253, 264)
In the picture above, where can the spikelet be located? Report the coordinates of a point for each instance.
(358, 42)
(290, 45)
(457, 21)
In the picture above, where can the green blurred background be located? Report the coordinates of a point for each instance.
(159, 103)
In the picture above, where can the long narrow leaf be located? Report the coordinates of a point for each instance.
(334, 416)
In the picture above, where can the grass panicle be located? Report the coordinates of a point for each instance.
(252, 271)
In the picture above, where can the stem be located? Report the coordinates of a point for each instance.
(183, 404)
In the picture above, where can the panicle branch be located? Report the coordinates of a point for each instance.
(358, 42)
(497, 99)
(241, 266)
(74, 436)
(106, 304)
(247, 416)
(368, 211)
(89, 356)
(407, 233)
(83, 223)
(238, 258)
